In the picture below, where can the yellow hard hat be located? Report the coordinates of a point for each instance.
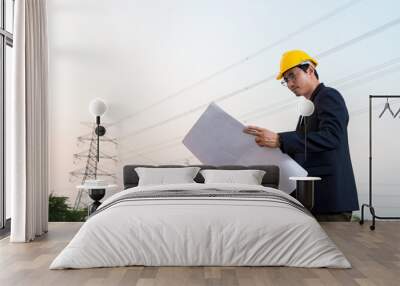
(294, 58)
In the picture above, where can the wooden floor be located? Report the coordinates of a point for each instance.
(375, 256)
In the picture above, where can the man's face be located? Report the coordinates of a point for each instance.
(298, 81)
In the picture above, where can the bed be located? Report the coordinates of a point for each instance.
(201, 224)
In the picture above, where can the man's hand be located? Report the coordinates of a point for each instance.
(264, 137)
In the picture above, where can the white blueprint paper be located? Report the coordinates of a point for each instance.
(218, 139)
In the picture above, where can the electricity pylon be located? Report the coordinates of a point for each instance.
(91, 169)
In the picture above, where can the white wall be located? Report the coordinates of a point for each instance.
(135, 54)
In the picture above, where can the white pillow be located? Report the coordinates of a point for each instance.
(162, 176)
(248, 177)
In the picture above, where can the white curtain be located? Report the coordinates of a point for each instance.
(29, 121)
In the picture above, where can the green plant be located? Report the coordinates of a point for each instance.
(59, 210)
(355, 218)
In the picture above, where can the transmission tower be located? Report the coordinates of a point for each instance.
(91, 169)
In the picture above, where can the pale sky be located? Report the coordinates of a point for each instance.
(154, 62)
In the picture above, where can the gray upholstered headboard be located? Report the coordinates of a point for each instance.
(270, 179)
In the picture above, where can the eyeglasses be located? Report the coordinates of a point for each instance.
(290, 77)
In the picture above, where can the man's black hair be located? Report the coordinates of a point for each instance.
(304, 68)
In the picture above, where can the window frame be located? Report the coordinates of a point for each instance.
(6, 39)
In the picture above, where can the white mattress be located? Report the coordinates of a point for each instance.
(200, 231)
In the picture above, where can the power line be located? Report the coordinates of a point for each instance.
(359, 111)
(171, 142)
(284, 104)
(371, 77)
(369, 74)
(163, 147)
(173, 118)
(198, 108)
(255, 84)
(144, 157)
(362, 73)
(276, 110)
(153, 147)
(262, 109)
(361, 37)
(185, 160)
(243, 60)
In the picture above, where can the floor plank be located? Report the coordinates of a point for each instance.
(374, 255)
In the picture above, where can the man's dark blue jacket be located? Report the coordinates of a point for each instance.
(328, 154)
